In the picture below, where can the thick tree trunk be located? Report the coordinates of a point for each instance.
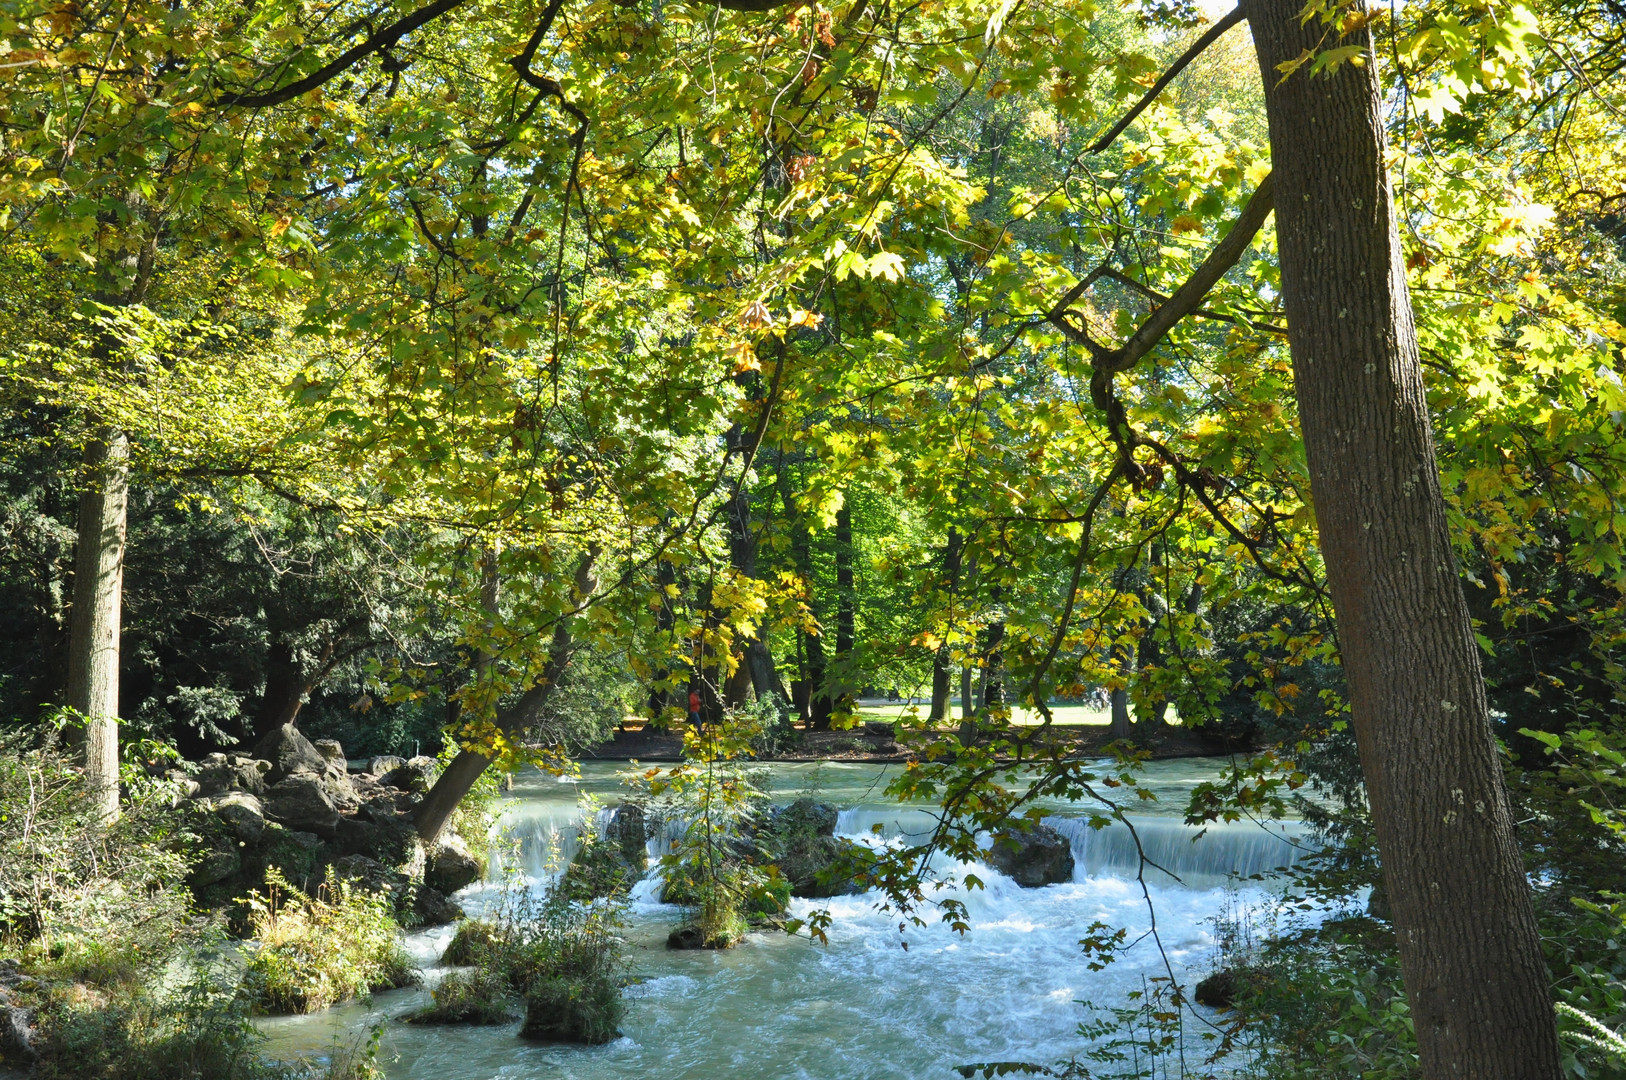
(942, 663)
(1469, 950)
(98, 584)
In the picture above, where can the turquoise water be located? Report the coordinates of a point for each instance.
(863, 1007)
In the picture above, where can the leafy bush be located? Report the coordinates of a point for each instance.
(315, 951)
(472, 943)
(481, 996)
(101, 902)
(199, 1031)
(562, 956)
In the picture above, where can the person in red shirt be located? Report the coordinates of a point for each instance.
(694, 708)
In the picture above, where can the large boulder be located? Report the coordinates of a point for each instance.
(416, 776)
(451, 866)
(333, 753)
(302, 801)
(383, 765)
(289, 752)
(1032, 857)
(241, 812)
(819, 867)
(597, 870)
(805, 817)
(220, 773)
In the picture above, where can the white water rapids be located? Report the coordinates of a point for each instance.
(862, 1007)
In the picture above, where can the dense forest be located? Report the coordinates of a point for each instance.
(1171, 455)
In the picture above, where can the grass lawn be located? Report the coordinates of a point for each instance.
(1064, 714)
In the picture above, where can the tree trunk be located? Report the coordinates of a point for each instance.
(846, 602)
(942, 663)
(662, 696)
(285, 689)
(1122, 724)
(757, 663)
(430, 815)
(1469, 950)
(93, 641)
(815, 693)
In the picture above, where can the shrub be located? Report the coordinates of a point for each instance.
(477, 997)
(100, 902)
(473, 943)
(200, 1031)
(313, 952)
(563, 957)
(559, 1009)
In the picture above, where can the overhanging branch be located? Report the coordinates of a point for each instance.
(383, 39)
(1212, 35)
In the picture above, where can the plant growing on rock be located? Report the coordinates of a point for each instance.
(562, 957)
(315, 951)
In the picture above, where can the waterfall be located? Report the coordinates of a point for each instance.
(1195, 856)
(544, 838)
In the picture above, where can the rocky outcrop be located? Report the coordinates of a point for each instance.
(303, 801)
(289, 752)
(451, 865)
(800, 839)
(295, 805)
(1032, 857)
(18, 1035)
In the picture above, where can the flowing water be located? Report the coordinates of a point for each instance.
(863, 1007)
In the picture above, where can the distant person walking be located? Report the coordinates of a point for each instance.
(694, 708)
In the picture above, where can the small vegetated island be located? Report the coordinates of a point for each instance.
(854, 539)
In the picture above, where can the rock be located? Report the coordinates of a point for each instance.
(384, 764)
(629, 831)
(879, 729)
(806, 817)
(415, 776)
(220, 773)
(1032, 857)
(333, 752)
(815, 866)
(289, 752)
(302, 801)
(1220, 990)
(686, 937)
(17, 1034)
(369, 875)
(242, 812)
(216, 866)
(598, 870)
(452, 866)
(433, 908)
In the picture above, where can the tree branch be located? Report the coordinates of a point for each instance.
(383, 39)
(1231, 19)
(1189, 296)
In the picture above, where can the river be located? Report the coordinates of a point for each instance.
(862, 1007)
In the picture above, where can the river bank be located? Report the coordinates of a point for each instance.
(876, 743)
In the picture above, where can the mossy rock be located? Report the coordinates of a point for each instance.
(599, 870)
(585, 1010)
(818, 867)
(475, 998)
(473, 941)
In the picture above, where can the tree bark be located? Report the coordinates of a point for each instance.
(98, 584)
(430, 815)
(846, 604)
(942, 663)
(1121, 726)
(1469, 950)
